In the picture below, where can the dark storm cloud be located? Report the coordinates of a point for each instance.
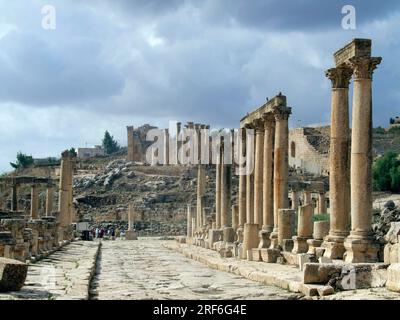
(110, 64)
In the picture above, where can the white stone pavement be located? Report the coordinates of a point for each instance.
(145, 269)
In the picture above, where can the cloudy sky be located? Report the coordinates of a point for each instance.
(109, 64)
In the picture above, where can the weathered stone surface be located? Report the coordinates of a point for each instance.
(393, 233)
(393, 277)
(12, 274)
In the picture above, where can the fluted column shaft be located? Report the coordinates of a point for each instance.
(268, 183)
(258, 174)
(242, 181)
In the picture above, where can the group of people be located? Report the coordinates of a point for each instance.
(101, 232)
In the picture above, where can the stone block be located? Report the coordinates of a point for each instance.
(214, 235)
(312, 245)
(323, 259)
(229, 234)
(12, 274)
(325, 291)
(303, 259)
(299, 245)
(270, 255)
(256, 255)
(131, 235)
(319, 252)
(391, 253)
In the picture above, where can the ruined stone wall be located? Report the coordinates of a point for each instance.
(309, 149)
(137, 143)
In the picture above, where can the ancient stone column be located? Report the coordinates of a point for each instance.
(218, 191)
(286, 225)
(64, 196)
(281, 168)
(14, 197)
(249, 182)
(49, 201)
(304, 229)
(268, 183)
(235, 216)
(360, 246)
(250, 239)
(295, 200)
(201, 177)
(34, 202)
(339, 164)
(321, 202)
(189, 221)
(193, 226)
(242, 181)
(258, 172)
(130, 156)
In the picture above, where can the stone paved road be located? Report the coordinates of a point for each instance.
(144, 269)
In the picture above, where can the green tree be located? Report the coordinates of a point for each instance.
(110, 145)
(386, 173)
(23, 161)
(73, 152)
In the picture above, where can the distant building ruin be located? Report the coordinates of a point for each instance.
(137, 143)
(84, 153)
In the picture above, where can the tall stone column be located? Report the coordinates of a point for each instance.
(218, 189)
(249, 182)
(268, 183)
(64, 196)
(235, 216)
(49, 201)
(242, 180)
(189, 221)
(130, 156)
(14, 197)
(258, 173)
(281, 168)
(201, 177)
(360, 246)
(34, 202)
(339, 164)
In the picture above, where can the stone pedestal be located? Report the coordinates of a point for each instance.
(393, 277)
(131, 235)
(286, 225)
(214, 235)
(250, 238)
(265, 241)
(229, 234)
(304, 229)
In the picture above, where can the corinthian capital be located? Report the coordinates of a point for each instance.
(340, 76)
(364, 66)
(282, 113)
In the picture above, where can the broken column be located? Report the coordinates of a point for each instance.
(321, 230)
(360, 245)
(321, 202)
(304, 229)
(64, 197)
(189, 221)
(235, 217)
(286, 229)
(131, 234)
(250, 240)
(200, 194)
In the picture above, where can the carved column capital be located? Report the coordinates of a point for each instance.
(282, 114)
(364, 66)
(340, 77)
(258, 126)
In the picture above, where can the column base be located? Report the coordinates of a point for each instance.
(364, 250)
(334, 247)
(270, 255)
(300, 245)
(131, 235)
(274, 240)
(229, 234)
(313, 245)
(265, 240)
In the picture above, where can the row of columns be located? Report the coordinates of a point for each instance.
(350, 174)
